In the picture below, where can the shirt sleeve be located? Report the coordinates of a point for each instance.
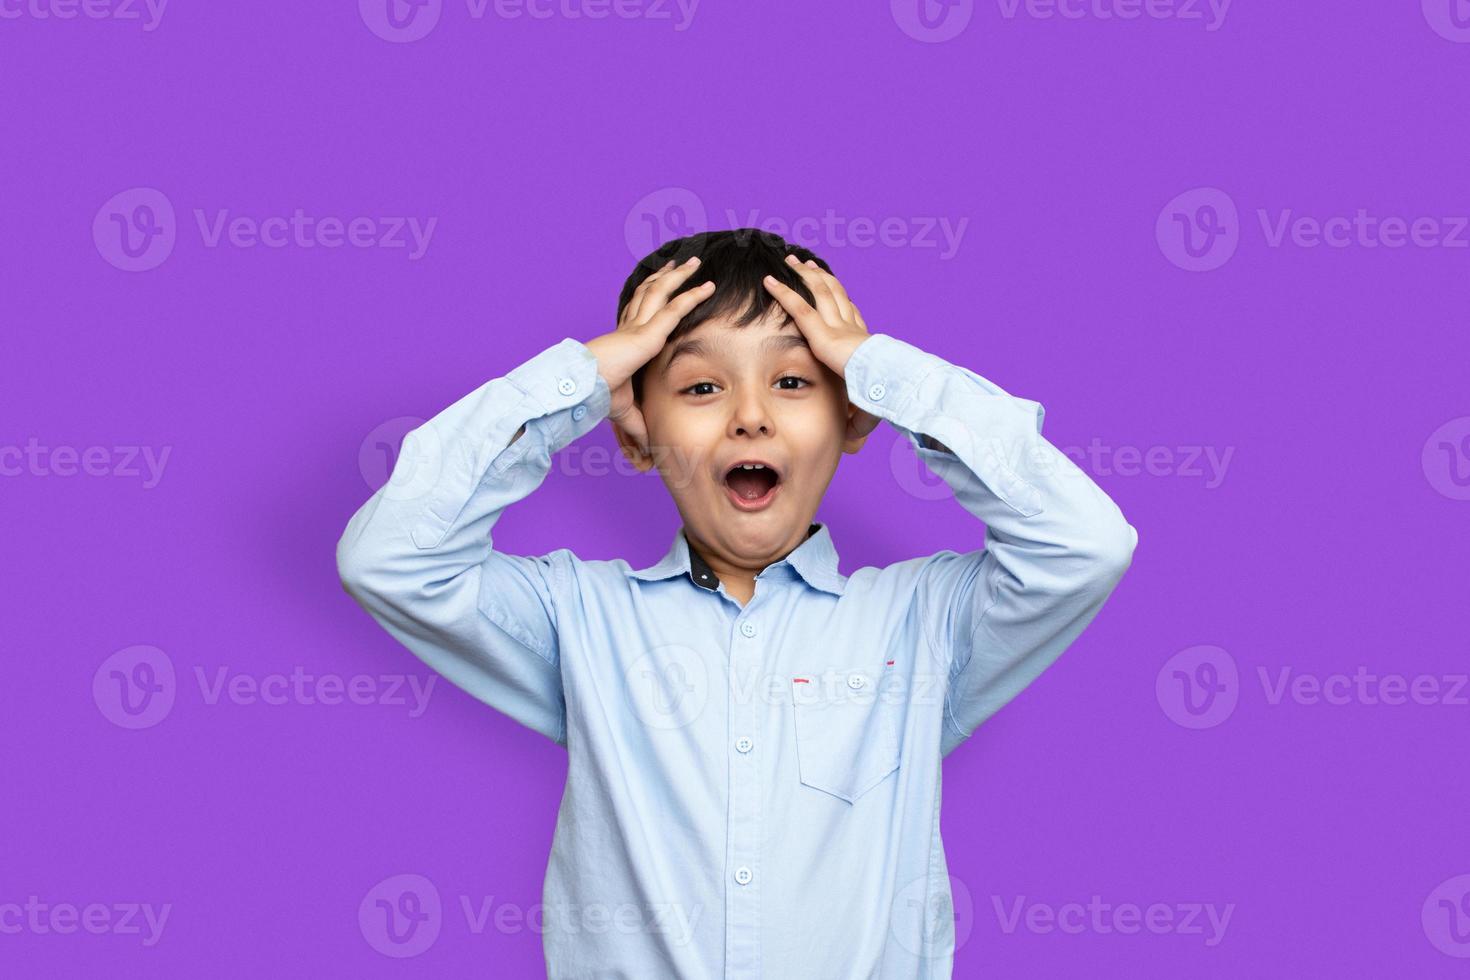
(418, 555)
(1055, 544)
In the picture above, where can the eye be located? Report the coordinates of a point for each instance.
(698, 384)
(794, 377)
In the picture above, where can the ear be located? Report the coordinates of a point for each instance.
(859, 425)
(634, 448)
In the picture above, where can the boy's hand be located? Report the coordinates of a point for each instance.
(642, 330)
(833, 330)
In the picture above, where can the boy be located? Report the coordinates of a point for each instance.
(754, 738)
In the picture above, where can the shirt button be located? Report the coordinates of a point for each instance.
(876, 392)
(748, 628)
(743, 875)
(856, 681)
(566, 386)
(744, 743)
(578, 412)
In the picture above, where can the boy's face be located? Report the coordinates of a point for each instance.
(721, 395)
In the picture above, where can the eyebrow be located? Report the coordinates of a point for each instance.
(696, 347)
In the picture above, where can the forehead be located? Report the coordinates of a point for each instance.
(771, 335)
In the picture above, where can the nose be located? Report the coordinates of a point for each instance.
(751, 414)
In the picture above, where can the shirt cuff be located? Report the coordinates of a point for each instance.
(564, 384)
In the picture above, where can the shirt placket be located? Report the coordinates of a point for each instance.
(743, 872)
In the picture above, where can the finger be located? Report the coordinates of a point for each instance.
(807, 319)
(810, 274)
(844, 302)
(668, 316)
(658, 294)
(630, 312)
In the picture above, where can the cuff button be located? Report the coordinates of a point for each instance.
(566, 386)
(876, 392)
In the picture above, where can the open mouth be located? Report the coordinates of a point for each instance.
(751, 484)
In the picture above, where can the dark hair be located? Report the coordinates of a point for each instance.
(737, 261)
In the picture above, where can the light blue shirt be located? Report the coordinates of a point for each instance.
(752, 791)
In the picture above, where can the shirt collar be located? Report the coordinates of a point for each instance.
(814, 560)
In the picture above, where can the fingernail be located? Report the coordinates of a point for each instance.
(790, 258)
(693, 260)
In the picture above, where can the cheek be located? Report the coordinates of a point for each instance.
(680, 441)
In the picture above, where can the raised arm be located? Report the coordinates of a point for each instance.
(419, 556)
(1055, 544)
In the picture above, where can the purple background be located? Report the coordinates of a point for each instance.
(1335, 539)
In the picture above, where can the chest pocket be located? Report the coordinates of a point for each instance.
(847, 729)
